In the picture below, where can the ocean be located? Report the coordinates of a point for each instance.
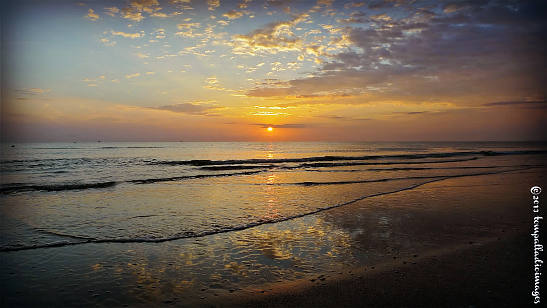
(219, 216)
(70, 193)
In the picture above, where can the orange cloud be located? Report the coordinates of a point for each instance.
(91, 15)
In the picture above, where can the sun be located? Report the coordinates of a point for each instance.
(269, 129)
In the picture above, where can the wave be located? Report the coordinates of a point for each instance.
(236, 167)
(189, 234)
(401, 149)
(417, 168)
(207, 162)
(18, 187)
(317, 165)
(309, 183)
(11, 188)
(189, 177)
(58, 148)
(446, 168)
(91, 148)
(46, 161)
(132, 147)
(23, 187)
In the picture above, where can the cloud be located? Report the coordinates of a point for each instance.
(483, 51)
(416, 112)
(128, 35)
(269, 92)
(112, 11)
(145, 5)
(454, 6)
(278, 2)
(27, 93)
(342, 118)
(244, 4)
(94, 82)
(32, 91)
(195, 108)
(325, 2)
(213, 4)
(159, 14)
(129, 76)
(272, 38)
(233, 14)
(536, 103)
(354, 17)
(128, 13)
(91, 15)
(293, 125)
(188, 29)
(381, 18)
(136, 7)
(354, 4)
(107, 42)
(213, 84)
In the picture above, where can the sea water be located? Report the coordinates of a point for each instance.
(71, 193)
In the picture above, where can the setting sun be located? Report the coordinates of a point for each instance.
(270, 129)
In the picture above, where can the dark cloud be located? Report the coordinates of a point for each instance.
(455, 6)
(29, 93)
(281, 125)
(188, 108)
(278, 2)
(519, 103)
(416, 112)
(268, 92)
(478, 49)
(354, 18)
(342, 118)
(382, 4)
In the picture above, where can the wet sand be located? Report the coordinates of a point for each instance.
(490, 272)
(490, 268)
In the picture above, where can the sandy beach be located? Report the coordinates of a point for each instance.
(490, 272)
(472, 271)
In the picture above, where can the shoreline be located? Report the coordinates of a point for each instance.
(478, 269)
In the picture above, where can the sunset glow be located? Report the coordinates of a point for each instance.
(270, 129)
(321, 70)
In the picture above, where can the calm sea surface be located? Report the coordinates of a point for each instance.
(59, 193)
(194, 217)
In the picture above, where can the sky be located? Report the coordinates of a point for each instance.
(325, 70)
